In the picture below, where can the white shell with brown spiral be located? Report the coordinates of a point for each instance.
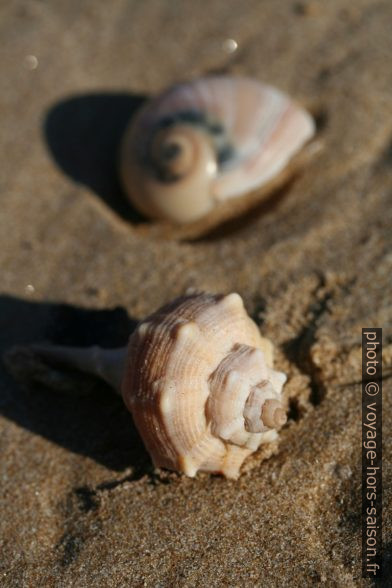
(197, 149)
(200, 385)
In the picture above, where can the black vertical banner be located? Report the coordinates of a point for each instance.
(372, 453)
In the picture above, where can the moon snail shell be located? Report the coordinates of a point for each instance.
(198, 379)
(207, 149)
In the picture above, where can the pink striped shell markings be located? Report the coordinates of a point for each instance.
(209, 142)
(201, 387)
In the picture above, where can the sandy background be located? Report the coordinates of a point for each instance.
(81, 503)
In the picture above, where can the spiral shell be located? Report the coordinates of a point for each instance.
(211, 147)
(200, 385)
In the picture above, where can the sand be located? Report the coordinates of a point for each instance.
(81, 503)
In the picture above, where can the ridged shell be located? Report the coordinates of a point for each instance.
(202, 145)
(191, 368)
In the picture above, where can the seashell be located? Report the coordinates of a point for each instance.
(198, 379)
(211, 147)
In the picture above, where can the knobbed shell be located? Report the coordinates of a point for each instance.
(200, 148)
(200, 385)
(198, 378)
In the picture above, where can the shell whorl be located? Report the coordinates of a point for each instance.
(205, 143)
(239, 389)
(198, 381)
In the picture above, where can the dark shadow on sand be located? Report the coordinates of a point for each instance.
(83, 134)
(94, 424)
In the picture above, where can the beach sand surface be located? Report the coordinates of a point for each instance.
(81, 502)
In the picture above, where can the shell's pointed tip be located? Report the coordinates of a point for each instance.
(231, 472)
(192, 291)
(282, 377)
(233, 300)
(258, 355)
(188, 330)
(164, 390)
(232, 377)
(187, 465)
(143, 328)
